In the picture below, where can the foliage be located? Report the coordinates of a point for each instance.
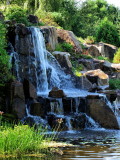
(107, 32)
(89, 40)
(114, 83)
(4, 58)
(16, 13)
(103, 58)
(117, 57)
(19, 140)
(64, 47)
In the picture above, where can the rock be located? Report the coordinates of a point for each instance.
(1, 16)
(19, 108)
(111, 94)
(33, 19)
(93, 51)
(98, 77)
(22, 30)
(101, 113)
(64, 60)
(16, 89)
(69, 37)
(37, 109)
(107, 50)
(56, 93)
(29, 89)
(50, 36)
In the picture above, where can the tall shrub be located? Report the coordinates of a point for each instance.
(117, 57)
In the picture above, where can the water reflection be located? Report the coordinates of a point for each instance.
(89, 145)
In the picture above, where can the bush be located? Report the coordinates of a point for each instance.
(16, 13)
(64, 47)
(103, 58)
(90, 40)
(114, 83)
(117, 57)
(107, 32)
(5, 74)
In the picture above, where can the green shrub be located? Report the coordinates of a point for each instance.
(16, 13)
(5, 74)
(117, 57)
(64, 47)
(114, 84)
(103, 58)
(90, 40)
(107, 32)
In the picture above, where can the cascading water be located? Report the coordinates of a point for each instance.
(49, 74)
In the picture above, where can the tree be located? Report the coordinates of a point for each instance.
(107, 32)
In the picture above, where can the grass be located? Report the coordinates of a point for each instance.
(114, 83)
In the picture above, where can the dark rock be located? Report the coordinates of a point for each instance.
(18, 108)
(33, 19)
(29, 89)
(56, 93)
(102, 113)
(22, 30)
(37, 109)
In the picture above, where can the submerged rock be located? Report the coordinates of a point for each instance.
(56, 93)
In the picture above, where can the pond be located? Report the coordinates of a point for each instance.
(99, 144)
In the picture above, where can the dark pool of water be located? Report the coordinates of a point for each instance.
(89, 145)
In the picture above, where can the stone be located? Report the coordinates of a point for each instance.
(98, 77)
(50, 36)
(64, 60)
(101, 113)
(37, 109)
(93, 51)
(29, 89)
(69, 37)
(56, 93)
(22, 30)
(19, 108)
(33, 19)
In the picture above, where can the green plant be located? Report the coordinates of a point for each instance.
(116, 58)
(64, 47)
(89, 40)
(107, 32)
(5, 75)
(103, 58)
(16, 13)
(114, 83)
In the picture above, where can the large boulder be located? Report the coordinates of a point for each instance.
(101, 112)
(69, 37)
(50, 36)
(64, 60)
(56, 93)
(37, 109)
(98, 77)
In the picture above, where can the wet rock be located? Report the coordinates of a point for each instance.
(69, 37)
(56, 93)
(50, 36)
(64, 60)
(98, 77)
(29, 89)
(101, 113)
(33, 19)
(37, 109)
(22, 30)
(111, 94)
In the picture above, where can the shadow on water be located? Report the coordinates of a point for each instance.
(88, 144)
